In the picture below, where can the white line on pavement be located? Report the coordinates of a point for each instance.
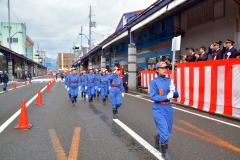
(213, 119)
(12, 88)
(139, 139)
(15, 115)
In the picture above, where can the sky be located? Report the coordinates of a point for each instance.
(55, 24)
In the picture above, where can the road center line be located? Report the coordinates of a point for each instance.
(139, 139)
(15, 115)
(179, 109)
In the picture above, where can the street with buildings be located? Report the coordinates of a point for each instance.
(132, 80)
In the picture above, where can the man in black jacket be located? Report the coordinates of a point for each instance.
(231, 52)
(5, 80)
(192, 56)
(203, 56)
(217, 52)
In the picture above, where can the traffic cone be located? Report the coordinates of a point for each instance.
(23, 123)
(15, 85)
(39, 100)
(25, 82)
(48, 88)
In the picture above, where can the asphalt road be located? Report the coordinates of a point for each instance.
(58, 126)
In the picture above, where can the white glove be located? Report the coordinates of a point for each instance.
(109, 88)
(122, 94)
(170, 95)
(85, 87)
(99, 89)
(86, 96)
(95, 88)
(172, 86)
(80, 88)
(66, 86)
(68, 89)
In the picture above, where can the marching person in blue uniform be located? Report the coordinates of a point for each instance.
(217, 52)
(90, 85)
(97, 83)
(5, 80)
(104, 85)
(73, 84)
(116, 91)
(231, 52)
(162, 90)
(66, 83)
(83, 84)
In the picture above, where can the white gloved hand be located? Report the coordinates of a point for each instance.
(66, 86)
(109, 88)
(122, 94)
(172, 86)
(170, 95)
(86, 96)
(85, 87)
(99, 89)
(95, 88)
(68, 89)
(79, 88)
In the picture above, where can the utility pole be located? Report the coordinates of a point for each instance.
(90, 29)
(91, 25)
(81, 41)
(9, 27)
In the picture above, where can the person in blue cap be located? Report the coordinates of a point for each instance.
(162, 90)
(83, 84)
(97, 84)
(116, 91)
(104, 85)
(73, 85)
(91, 81)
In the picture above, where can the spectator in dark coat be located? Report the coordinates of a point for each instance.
(203, 56)
(5, 80)
(192, 56)
(231, 52)
(217, 52)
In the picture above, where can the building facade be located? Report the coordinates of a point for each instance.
(65, 60)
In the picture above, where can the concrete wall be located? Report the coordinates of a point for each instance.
(223, 28)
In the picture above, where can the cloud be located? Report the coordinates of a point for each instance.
(55, 24)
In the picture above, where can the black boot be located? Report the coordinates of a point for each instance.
(115, 114)
(157, 137)
(164, 148)
(73, 101)
(84, 97)
(82, 94)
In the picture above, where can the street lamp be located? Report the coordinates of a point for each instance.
(89, 41)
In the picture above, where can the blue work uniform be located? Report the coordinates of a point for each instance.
(91, 85)
(162, 113)
(66, 83)
(97, 83)
(73, 84)
(104, 86)
(83, 83)
(116, 90)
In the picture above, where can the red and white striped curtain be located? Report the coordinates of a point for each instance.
(212, 86)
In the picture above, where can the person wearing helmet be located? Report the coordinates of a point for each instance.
(162, 90)
(116, 91)
(83, 84)
(104, 85)
(73, 84)
(97, 84)
(91, 81)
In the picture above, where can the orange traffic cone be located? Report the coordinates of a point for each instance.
(14, 85)
(25, 82)
(48, 88)
(23, 123)
(39, 100)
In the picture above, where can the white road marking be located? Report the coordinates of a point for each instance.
(15, 115)
(213, 119)
(139, 139)
(12, 88)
